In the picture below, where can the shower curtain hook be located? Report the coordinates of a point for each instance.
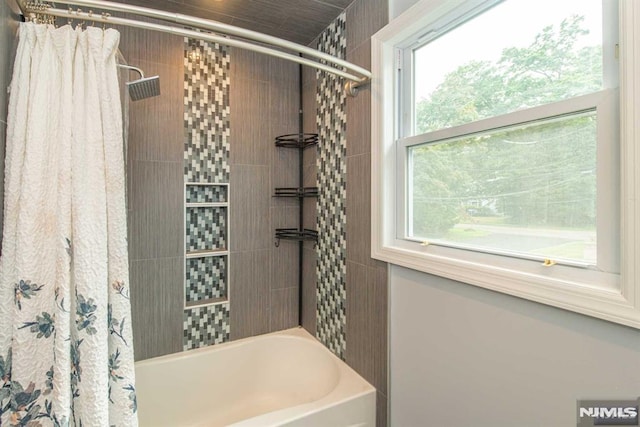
(105, 17)
(80, 23)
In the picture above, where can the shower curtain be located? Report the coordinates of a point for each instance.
(66, 355)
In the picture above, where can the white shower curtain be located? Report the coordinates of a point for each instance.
(66, 351)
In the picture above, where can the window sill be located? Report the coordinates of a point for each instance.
(604, 301)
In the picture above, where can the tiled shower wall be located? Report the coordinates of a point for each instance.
(207, 134)
(366, 333)
(365, 323)
(262, 282)
(263, 279)
(332, 170)
(155, 192)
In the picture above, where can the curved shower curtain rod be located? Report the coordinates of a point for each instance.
(360, 78)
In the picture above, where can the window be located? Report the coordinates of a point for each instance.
(522, 185)
(527, 190)
(503, 148)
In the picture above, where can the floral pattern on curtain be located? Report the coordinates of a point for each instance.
(66, 351)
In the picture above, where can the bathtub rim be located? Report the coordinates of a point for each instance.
(297, 332)
(350, 386)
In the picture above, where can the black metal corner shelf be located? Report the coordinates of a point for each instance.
(305, 235)
(298, 192)
(297, 140)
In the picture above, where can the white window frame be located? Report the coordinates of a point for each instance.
(612, 297)
(603, 103)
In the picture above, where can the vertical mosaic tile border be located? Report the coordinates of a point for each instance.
(206, 194)
(206, 228)
(205, 278)
(205, 326)
(206, 160)
(206, 111)
(332, 199)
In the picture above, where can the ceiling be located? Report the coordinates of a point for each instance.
(299, 21)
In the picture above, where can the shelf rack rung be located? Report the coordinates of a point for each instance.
(297, 140)
(296, 234)
(296, 192)
(206, 253)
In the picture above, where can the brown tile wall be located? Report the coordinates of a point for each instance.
(366, 333)
(296, 20)
(155, 192)
(309, 281)
(366, 324)
(263, 279)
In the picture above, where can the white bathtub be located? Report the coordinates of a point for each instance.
(282, 379)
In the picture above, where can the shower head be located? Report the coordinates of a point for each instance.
(144, 87)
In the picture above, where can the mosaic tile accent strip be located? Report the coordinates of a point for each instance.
(205, 326)
(332, 199)
(206, 278)
(206, 194)
(206, 112)
(206, 229)
(206, 159)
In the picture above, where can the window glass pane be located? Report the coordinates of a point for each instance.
(527, 190)
(516, 55)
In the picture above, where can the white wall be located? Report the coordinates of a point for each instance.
(396, 7)
(465, 356)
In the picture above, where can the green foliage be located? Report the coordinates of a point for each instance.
(435, 205)
(552, 68)
(541, 174)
